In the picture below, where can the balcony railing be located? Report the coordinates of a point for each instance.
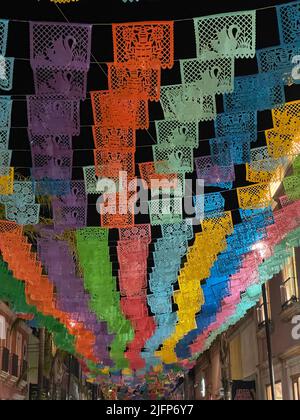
(289, 293)
(14, 366)
(24, 372)
(5, 360)
(261, 319)
(75, 368)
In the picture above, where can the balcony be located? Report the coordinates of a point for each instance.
(261, 321)
(5, 360)
(22, 383)
(4, 363)
(289, 299)
(75, 370)
(14, 368)
(24, 371)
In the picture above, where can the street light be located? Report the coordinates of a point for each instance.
(262, 249)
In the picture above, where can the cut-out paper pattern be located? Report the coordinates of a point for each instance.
(5, 160)
(212, 173)
(60, 45)
(251, 275)
(6, 72)
(60, 58)
(156, 181)
(166, 211)
(109, 163)
(71, 210)
(4, 138)
(130, 80)
(231, 124)
(137, 233)
(161, 284)
(39, 290)
(184, 104)
(20, 206)
(144, 43)
(286, 118)
(133, 250)
(170, 159)
(208, 76)
(255, 196)
(111, 110)
(292, 183)
(91, 180)
(263, 168)
(230, 149)
(279, 61)
(221, 223)
(144, 332)
(229, 34)
(92, 246)
(24, 215)
(52, 157)
(288, 17)
(296, 165)
(7, 183)
(190, 296)
(13, 291)
(292, 187)
(5, 111)
(68, 83)
(51, 187)
(281, 144)
(174, 133)
(3, 36)
(53, 115)
(213, 203)
(217, 290)
(70, 293)
(183, 229)
(255, 93)
(114, 138)
(117, 211)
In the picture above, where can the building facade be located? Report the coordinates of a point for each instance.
(14, 340)
(284, 309)
(241, 355)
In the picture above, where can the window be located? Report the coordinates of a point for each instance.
(296, 388)
(278, 392)
(236, 367)
(14, 369)
(19, 345)
(261, 319)
(25, 352)
(2, 328)
(261, 313)
(289, 287)
(203, 388)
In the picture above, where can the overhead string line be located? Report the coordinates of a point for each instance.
(183, 197)
(105, 62)
(111, 23)
(91, 62)
(99, 63)
(138, 146)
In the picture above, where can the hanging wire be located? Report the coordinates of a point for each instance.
(138, 146)
(110, 23)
